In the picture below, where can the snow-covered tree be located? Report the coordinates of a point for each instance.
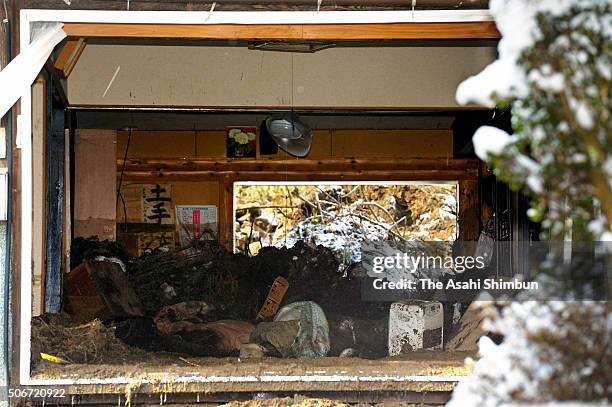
(553, 72)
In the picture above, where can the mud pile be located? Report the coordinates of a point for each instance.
(56, 336)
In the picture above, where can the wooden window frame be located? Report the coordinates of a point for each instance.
(201, 25)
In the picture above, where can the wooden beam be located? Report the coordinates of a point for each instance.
(54, 203)
(64, 54)
(469, 210)
(74, 57)
(468, 166)
(53, 75)
(402, 31)
(69, 55)
(40, 125)
(14, 7)
(187, 176)
(320, 32)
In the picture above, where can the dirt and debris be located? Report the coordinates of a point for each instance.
(297, 401)
(165, 373)
(237, 285)
(275, 338)
(205, 302)
(89, 248)
(200, 301)
(98, 288)
(302, 401)
(56, 335)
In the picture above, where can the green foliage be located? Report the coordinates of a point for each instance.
(563, 129)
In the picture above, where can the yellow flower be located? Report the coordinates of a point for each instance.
(241, 138)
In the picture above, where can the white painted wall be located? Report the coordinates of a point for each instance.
(236, 76)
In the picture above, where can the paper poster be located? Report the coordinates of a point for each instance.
(196, 222)
(157, 203)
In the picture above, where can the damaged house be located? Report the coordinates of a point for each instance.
(199, 193)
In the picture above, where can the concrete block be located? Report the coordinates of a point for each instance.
(415, 325)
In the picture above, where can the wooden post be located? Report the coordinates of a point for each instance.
(40, 124)
(54, 187)
(469, 210)
(226, 212)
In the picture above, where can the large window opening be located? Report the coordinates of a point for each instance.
(341, 215)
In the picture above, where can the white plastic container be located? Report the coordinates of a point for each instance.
(415, 325)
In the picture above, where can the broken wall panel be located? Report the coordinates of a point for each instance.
(95, 173)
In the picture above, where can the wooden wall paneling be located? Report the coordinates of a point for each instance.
(326, 143)
(210, 143)
(195, 193)
(171, 144)
(96, 183)
(392, 143)
(321, 146)
(130, 203)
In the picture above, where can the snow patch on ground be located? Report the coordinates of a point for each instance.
(343, 235)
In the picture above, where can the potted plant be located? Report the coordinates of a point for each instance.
(241, 141)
